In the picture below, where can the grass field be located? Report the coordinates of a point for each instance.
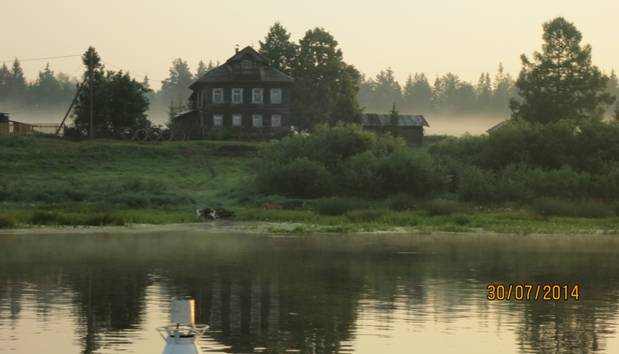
(51, 182)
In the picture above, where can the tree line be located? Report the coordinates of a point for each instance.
(327, 89)
(47, 90)
(447, 94)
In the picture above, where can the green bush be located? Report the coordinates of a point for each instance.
(476, 184)
(402, 202)
(7, 221)
(443, 207)
(102, 219)
(299, 178)
(461, 220)
(365, 215)
(41, 217)
(337, 206)
(561, 207)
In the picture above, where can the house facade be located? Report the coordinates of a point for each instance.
(243, 98)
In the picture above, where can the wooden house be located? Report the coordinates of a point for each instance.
(244, 98)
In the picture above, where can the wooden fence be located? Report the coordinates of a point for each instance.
(13, 128)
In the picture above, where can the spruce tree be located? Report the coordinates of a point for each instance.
(560, 82)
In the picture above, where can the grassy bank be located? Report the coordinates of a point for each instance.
(49, 182)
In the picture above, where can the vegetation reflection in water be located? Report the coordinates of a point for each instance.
(311, 293)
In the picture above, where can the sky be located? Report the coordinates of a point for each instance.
(466, 37)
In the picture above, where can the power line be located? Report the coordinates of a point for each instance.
(45, 58)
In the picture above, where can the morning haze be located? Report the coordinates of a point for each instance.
(144, 36)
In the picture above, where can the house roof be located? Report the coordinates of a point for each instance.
(382, 120)
(233, 71)
(497, 126)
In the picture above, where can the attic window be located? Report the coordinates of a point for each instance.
(246, 64)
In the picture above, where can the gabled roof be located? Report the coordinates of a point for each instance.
(248, 53)
(232, 70)
(382, 120)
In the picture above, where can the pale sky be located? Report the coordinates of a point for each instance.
(466, 37)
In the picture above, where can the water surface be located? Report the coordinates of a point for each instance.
(316, 294)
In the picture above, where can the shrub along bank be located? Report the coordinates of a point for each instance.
(336, 179)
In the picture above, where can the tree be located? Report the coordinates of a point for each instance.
(560, 82)
(417, 94)
(613, 90)
(503, 91)
(386, 90)
(452, 95)
(278, 48)
(325, 86)
(394, 115)
(347, 107)
(120, 101)
(17, 83)
(50, 90)
(176, 87)
(202, 69)
(5, 78)
(484, 92)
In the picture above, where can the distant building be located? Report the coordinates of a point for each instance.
(244, 97)
(409, 127)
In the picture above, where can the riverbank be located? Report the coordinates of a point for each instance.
(57, 183)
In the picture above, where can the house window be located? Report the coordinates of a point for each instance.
(276, 120)
(276, 96)
(256, 95)
(237, 120)
(218, 120)
(257, 120)
(237, 95)
(218, 95)
(246, 64)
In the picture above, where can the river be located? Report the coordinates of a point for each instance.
(107, 293)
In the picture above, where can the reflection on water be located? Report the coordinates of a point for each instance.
(370, 294)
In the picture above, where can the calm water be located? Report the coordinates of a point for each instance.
(370, 294)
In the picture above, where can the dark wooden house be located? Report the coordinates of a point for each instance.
(409, 127)
(244, 98)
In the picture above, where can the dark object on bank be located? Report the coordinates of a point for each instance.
(214, 213)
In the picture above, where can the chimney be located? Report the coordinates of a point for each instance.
(236, 49)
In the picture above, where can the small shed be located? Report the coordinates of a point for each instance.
(409, 127)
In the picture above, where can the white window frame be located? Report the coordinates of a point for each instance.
(218, 120)
(237, 120)
(257, 96)
(278, 95)
(276, 120)
(256, 121)
(237, 93)
(218, 95)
